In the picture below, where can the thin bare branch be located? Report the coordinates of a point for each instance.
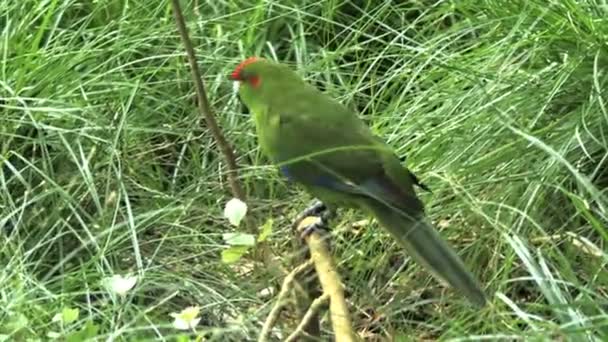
(204, 107)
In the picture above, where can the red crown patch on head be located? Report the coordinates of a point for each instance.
(237, 70)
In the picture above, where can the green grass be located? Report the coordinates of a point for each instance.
(106, 166)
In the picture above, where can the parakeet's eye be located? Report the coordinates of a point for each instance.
(249, 77)
(254, 80)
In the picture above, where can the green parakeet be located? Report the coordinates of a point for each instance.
(320, 144)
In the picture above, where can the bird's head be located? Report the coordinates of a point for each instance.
(260, 80)
(249, 72)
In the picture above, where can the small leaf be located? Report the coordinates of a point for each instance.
(69, 315)
(266, 230)
(239, 239)
(182, 338)
(88, 332)
(233, 254)
(66, 316)
(17, 322)
(90, 329)
(235, 211)
(53, 335)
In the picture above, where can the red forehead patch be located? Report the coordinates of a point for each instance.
(237, 70)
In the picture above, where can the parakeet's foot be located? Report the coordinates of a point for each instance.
(311, 224)
(317, 214)
(316, 208)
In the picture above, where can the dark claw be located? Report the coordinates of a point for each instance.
(327, 215)
(317, 208)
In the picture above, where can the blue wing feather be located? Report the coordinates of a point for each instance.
(380, 188)
(324, 181)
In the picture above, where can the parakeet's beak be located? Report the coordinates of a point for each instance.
(236, 75)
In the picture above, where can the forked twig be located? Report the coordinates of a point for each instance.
(280, 303)
(314, 308)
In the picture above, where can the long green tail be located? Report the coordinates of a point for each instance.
(427, 247)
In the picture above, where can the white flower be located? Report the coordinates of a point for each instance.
(187, 319)
(119, 284)
(235, 210)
